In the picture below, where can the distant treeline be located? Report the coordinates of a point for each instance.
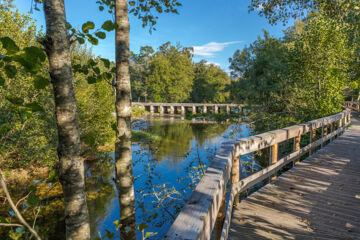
(170, 75)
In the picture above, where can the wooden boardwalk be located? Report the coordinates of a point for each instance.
(317, 199)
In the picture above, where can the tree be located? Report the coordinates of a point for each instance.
(71, 167)
(123, 161)
(210, 84)
(139, 68)
(171, 74)
(262, 71)
(346, 13)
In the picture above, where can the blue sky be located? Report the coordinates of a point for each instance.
(215, 28)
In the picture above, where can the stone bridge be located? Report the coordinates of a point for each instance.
(183, 108)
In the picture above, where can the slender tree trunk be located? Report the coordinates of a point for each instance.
(123, 163)
(71, 169)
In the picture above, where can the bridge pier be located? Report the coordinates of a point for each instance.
(172, 110)
(182, 110)
(193, 109)
(216, 109)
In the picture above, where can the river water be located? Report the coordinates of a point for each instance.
(167, 167)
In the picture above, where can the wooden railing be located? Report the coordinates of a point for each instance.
(355, 106)
(206, 212)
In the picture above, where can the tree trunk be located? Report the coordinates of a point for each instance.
(71, 169)
(123, 163)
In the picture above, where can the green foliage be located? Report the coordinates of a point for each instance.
(171, 74)
(304, 75)
(95, 97)
(145, 10)
(28, 133)
(210, 84)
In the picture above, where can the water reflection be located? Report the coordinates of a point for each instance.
(166, 170)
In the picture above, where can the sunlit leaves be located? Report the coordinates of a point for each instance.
(87, 26)
(9, 45)
(145, 10)
(92, 40)
(80, 40)
(100, 35)
(108, 25)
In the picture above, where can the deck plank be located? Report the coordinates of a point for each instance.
(317, 199)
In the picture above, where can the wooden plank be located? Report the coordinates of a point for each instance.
(323, 190)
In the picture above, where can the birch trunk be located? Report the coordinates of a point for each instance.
(71, 169)
(123, 162)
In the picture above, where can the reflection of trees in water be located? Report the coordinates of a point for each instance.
(176, 138)
(100, 190)
(158, 202)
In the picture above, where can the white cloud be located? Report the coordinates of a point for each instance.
(209, 49)
(213, 63)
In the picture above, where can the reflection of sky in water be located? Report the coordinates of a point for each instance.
(168, 163)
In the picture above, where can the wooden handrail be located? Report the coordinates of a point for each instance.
(355, 106)
(198, 217)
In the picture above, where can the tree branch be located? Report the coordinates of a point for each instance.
(10, 225)
(16, 211)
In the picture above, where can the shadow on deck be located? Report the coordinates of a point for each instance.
(317, 199)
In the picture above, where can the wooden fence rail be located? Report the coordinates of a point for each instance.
(205, 212)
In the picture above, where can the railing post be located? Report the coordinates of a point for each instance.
(296, 147)
(151, 109)
(312, 139)
(161, 110)
(340, 126)
(219, 223)
(216, 109)
(274, 157)
(227, 109)
(235, 175)
(324, 133)
(204, 109)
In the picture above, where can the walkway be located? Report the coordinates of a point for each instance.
(317, 199)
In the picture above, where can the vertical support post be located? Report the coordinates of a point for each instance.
(235, 176)
(172, 110)
(161, 110)
(216, 109)
(274, 157)
(296, 147)
(182, 110)
(340, 126)
(193, 109)
(204, 109)
(227, 109)
(240, 109)
(312, 139)
(220, 219)
(323, 133)
(151, 109)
